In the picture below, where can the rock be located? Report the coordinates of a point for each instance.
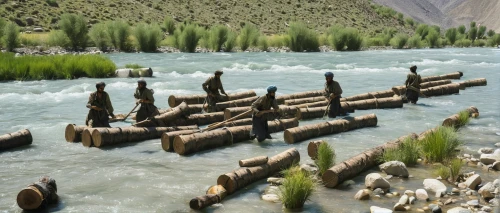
(362, 195)
(496, 183)
(407, 208)
(435, 208)
(409, 193)
(496, 165)
(469, 193)
(485, 151)
(30, 21)
(271, 190)
(309, 168)
(467, 156)
(487, 191)
(348, 183)
(449, 201)
(455, 191)
(494, 202)
(375, 180)
(395, 193)
(462, 186)
(378, 191)
(497, 144)
(420, 210)
(389, 195)
(275, 181)
(426, 208)
(421, 194)
(473, 181)
(435, 185)
(399, 207)
(473, 203)
(490, 158)
(395, 168)
(464, 205)
(411, 200)
(376, 209)
(403, 200)
(459, 210)
(271, 198)
(38, 29)
(486, 209)
(19, 22)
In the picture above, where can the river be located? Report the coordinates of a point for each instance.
(141, 177)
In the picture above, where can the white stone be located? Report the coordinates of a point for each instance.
(375, 180)
(404, 199)
(275, 181)
(411, 200)
(490, 158)
(421, 194)
(496, 183)
(410, 193)
(473, 181)
(459, 210)
(462, 186)
(376, 209)
(497, 144)
(496, 165)
(487, 191)
(395, 168)
(486, 209)
(473, 203)
(271, 197)
(363, 194)
(434, 185)
(467, 156)
(399, 207)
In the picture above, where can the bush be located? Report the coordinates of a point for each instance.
(422, 30)
(461, 29)
(32, 40)
(133, 66)
(189, 38)
(481, 31)
(472, 24)
(410, 21)
(296, 189)
(59, 38)
(10, 37)
(345, 38)
(302, 39)
(75, 28)
(451, 35)
(262, 43)
(463, 118)
(399, 41)
(326, 157)
(2, 26)
(472, 34)
(248, 36)
(278, 41)
(217, 37)
(231, 42)
(99, 35)
(118, 33)
(440, 145)
(148, 37)
(463, 43)
(377, 41)
(407, 152)
(443, 172)
(415, 42)
(169, 25)
(495, 40)
(479, 43)
(436, 28)
(52, 3)
(432, 38)
(490, 33)
(455, 168)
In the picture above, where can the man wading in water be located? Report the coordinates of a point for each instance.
(413, 81)
(260, 108)
(99, 105)
(212, 86)
(333, 94)
(144, 97)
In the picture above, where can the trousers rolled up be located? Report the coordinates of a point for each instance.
(334, 108)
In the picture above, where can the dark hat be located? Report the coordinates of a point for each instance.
(218, 72)
(142, 81)
(272, 88)
(99, 84)
(329, 74)
(413, 68)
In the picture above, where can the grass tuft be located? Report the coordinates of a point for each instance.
(442, 171)
(133, 66)
(407, 152)
(248, 37)
(297, 187)
(399, 41)
(302, 39)
(148, 37)
(326, 157)
(463, 118)
(440, 145)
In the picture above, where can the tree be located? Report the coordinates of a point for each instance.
(451, 35)
(75, 27)
(461, 29)
(10, 36)
(490, 33)
(99, 35)
(169, 25)
(472, 24)
(481, 31)
(422, 30)
(472, 33)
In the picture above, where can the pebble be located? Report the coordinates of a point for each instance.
(467, 155)
(378, 191)
(395, 193)
(469, 193)
(455, 191)
(409, 193)
(449, 201)
(271, 198)
(399, 207)
(473, 203)
(412, 200)
(486, 209)
(497, 144)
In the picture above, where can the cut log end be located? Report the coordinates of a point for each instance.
(29, 198)
(96, 138)
(330, 179)
(171, 101)
(87, 138)
(179, 146)
(201, 202)
(312, 149)
(218, 190)
(165, 143)
(289, 137)
(475, 114)
(70, 133)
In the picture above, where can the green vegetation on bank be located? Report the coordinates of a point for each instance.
(407, 152)
(54, 67)
(297, 187)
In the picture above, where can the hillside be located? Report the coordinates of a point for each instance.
(270, 16)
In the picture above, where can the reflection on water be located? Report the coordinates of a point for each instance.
(141, 177)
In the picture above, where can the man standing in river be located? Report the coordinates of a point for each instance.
(413, 81)
(144, 96)
(333, 93)
(260, 108)
(100, 108)
(212, 86)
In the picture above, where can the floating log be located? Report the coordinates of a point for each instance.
(359, 163)
(198, 119)
(304, 100)
(111, 136)
(312, 149)
(314, 104)
(255, 161)
(454, 120)
(401, 90)
(15, 139)
(473, 82)
(236, 103)
(302, 133)
(379, 103)
(218, 190)
(167, 139)
(453, 75)
(234, 111)
(38, 195)
(281, 99)
(73, 133)
(87, 137)
(240, 122)
(446, 89)
(175, 100)
(203, 201)
(187, 144)
(310, 113)
(123, 73)
(370, 95)
(165, 119)
(243, 177)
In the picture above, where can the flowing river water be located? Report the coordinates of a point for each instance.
(141, 177)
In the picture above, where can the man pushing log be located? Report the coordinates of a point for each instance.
(260, 109)
(144, 96)
(212, 86)
(413, 81)
(333, 93)
(100, 107)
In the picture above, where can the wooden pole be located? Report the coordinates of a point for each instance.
(304, 100)
(358, 164)
(446, 89)
(38, 195)
(473, 82)
(73, 133)
(15, 139)
(298, 134)
(454, 121)
(175, 100)
(167, 139)
(236, 103)
(217, 125)
(255, 161)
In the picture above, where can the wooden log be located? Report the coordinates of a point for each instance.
(304, 100)
(446, 89)
(236, 103)
(15, 139)
(167, 139)
(73, 133)
(312, 148)
(454, 121)
(297, 134)
(203, 201)
(473, 82)
(123, 73)
(87, 137)
(453, 75)
(314, 104)
(175, 100)
(207, 118)
(165, 119)
(234, 111)
(243, 177)
(369, 95)
(401, 90)
(359, 163)
(240, 122)
(379, 103)
(187, 144)
(112, 136)
(255, 161)
(38, 195)
(218, 190)
(281, 99)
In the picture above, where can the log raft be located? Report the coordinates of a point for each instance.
(165, 119)
(73, 133)
(175, 100)
(453, 75)
(15, 139)
(369, 95)
(446, 89)
(401, 90)
(473, 83)
(302, 133)
(167, 139)
(236, 103)
(281, 99)
(38, 195)
(240, 122)
(454, 120)
(378, 103)
(359, 163)
(286, 111)
(304, 100)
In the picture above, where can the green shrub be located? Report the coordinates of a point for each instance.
(451, 35)
(422, 30)
(463, 43)
(99, 35)
(432, 38)
(490, 33)
(59, 38)
(479, 43)
(169, 25)
(494, 40)
(326, 157)
(248, 37)
(231, 42)
(481, 31)
(75, 28)
(472, 24)
(436, 28)
(455, 168)
(217, 37)
(443, 42)
(278, 41)
(10, 37)
(407, 152)
(262, 43)
(42, 70)
(148, 37)
(189, 38)
(118, 33)
(133, 66)
(472, 34)
(440, 145)
(463, 118)
(410, 22)
(345, 39)
(52, 3)
(415, 42)
(377, 41)
(296, 189)
(443, 172)
(302, 39)
(399, 41)
(461, 29)
(2, 27)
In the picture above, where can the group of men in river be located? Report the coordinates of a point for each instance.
(101, 108)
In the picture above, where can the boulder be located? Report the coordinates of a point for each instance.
(30, 21)
(487, 191)
(363, 194)
(403, 200)
(375, 180)
(409, 193)
(496, 165)
(378, 191)
(485, 151)
(435, 208)
(490, 158)
(271, 197)
(411, 200)
(435, 186)
(376, 209)
(473, 203)
(473, 181)
(395, 168)
(486, 209)
(421, 194)
(123, 73)
(399, 207)
(459, 210)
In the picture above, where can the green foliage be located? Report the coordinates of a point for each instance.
(52, 3)
(399, 41)
(278, 41)
(118, 34)
(323, 39)
(415, 42)
(230, 42)
(262, 43)
(75, 28)
(2, 26)
(59, 38)
(472, 33)
(99, 35)
(10, 37)
(451, 35)
(248, 36)
(479, 43)
(384, 11)
(463, 118)
(490, 33)
(345, 39)
(436, 28)
(422, 30)
(461, 29)
(326, 157)
(407, 152)
(217, 37)
(377, 41)
(297, 187)
(189, 38)
(455, 168)
(432, 38)
(494, 40)
(440, 145)
(481, 31)
(410, 22)
(133, 66)
(302, 39)
(400, 17)
(472, 24)
(148, 37)
(463, 43)
(443, 172)
(169, 25)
